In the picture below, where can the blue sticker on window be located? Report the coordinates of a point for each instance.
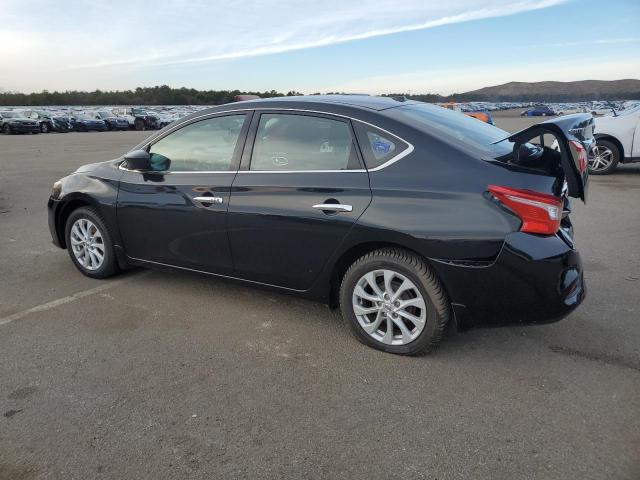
(381, 147)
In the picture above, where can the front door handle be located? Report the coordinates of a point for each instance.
(214, 200)
(334, 207)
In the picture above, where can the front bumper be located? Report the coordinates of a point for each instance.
(53, 207)
(20, 128)
(535, 279)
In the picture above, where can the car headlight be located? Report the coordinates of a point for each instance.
(56, 189)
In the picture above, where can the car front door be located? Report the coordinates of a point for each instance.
(300, 189)
(176, 214)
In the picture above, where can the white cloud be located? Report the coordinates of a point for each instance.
(447, 81)
(82, 45)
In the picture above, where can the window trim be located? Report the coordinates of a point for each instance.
(250, 136)
(237, 152)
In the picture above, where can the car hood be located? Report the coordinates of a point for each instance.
(90, 167)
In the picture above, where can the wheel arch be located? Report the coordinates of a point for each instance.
(612, 139)
(71, 204)
(350, 255)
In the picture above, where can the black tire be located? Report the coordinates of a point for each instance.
(7, 130)
(109, 265)
(44, 127)
(107, 126)
(615, 154)
(139, 124)
(415, 269)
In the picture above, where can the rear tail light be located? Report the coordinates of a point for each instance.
(578, 150)
(539, 212)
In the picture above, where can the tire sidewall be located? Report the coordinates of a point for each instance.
(108, 266)
(346, 304)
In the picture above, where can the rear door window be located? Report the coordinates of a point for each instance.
(378, 147)
(287, 142)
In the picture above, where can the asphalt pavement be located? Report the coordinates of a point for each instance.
(164, 375)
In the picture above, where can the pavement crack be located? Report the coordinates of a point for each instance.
(606, 358)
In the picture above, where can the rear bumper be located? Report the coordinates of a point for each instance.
(534, 280)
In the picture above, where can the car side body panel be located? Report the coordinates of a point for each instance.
(433, 201)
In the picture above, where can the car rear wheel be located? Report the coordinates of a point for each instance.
(89, 244)
(392, 301)
(139, 124)
(44, 127)
(605, 158)
(7, 130)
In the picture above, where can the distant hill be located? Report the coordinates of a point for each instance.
(558, 91)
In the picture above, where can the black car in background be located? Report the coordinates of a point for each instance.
(15, 122)
(112, 121)
(84, 122)
(407, 216)
(48, 122)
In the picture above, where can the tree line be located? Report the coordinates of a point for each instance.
(165, 95)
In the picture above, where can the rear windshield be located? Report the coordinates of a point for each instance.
(454, 127)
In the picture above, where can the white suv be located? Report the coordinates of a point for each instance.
(617, 140)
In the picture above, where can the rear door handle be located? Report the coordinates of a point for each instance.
(214, 200)
(334, 207)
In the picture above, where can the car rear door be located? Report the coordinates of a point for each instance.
(176, 214)
(300, 189)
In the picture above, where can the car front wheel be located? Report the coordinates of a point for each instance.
(89, 244)
(605, 158)
(392, 301)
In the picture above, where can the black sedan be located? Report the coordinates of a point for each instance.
(16, 122)
(406, 216)
(112, 121)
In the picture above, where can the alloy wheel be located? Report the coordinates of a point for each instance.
(602, 158)
(87, 244)
(389, 307)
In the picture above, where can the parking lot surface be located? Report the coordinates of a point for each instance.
(167, 375)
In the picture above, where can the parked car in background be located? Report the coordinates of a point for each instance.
(538, 111)
(617, 140)
(162, 119)
(482, 115)
(15, 122)
(138, 118)
(407, 216)
(111, 120)
(84, 122)
(47, 121)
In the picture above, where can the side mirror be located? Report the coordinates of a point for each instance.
(138, 160)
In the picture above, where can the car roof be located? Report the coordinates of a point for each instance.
(361, 101)
(351, 105)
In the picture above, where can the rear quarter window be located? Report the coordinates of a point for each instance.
(378, 147)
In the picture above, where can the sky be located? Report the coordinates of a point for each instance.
(364, 46)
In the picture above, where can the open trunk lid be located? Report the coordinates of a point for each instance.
(574, 136)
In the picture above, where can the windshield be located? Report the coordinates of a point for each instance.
(105, 114)
(138, 111)
(84, 116)
(455, 127)
(11, 115)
